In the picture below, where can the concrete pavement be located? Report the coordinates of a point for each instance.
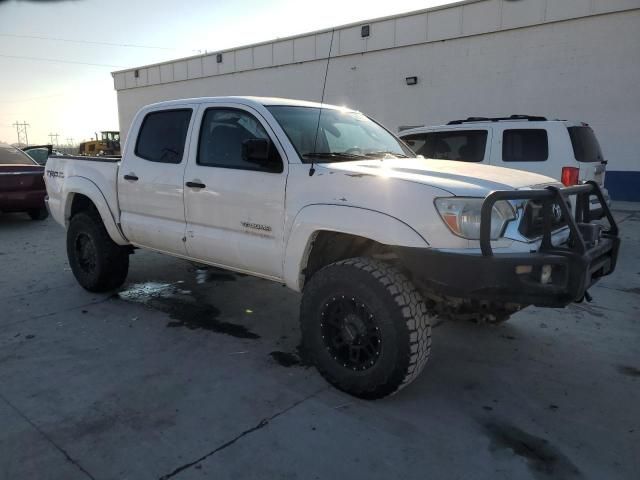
(192, 373)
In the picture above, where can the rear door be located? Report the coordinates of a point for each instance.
(151, 180)
(526, 146)
(235, 208)
(465, 145)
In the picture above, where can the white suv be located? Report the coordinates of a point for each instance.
(568, 151)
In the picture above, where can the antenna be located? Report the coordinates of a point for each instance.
(312, 170)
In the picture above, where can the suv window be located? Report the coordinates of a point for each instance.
(222, 133)
(525, 145)
(162, 136)
(462, 145)
(585, 144)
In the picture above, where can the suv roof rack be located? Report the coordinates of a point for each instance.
(529, 118)
(402, 128)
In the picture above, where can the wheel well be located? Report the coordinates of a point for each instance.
(329, 247)
(82, 203)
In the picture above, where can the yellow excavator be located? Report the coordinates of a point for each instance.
(107, 145)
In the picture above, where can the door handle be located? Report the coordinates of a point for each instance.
(131, 177)
(195, 185)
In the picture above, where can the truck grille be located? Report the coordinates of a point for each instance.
(532, 225)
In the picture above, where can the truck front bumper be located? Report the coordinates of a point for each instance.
(549, 279)
(553, 276)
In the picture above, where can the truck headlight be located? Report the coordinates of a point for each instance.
(462, 216)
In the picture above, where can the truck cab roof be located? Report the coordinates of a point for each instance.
(250, 101)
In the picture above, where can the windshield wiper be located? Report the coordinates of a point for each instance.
(344, 155)
(382, 153)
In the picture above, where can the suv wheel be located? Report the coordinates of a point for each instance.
(365, 327)
(98, 263)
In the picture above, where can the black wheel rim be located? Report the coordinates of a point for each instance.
(350, 333)
(85, 253)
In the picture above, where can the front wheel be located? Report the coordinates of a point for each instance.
(365, 327)
(97, 262)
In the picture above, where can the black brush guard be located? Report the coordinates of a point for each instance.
(549, 276)
(590, 252)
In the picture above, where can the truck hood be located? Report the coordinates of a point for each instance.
(458, 178)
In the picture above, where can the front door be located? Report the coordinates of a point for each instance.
(235, 207)
(151, 181)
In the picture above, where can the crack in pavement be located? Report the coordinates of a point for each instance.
(31, 292)
(632, 215)
(263, 423)
(50, 314)
(69, 458)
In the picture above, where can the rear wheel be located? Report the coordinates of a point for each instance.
(38, 213)
(97, 262)
(365, 327)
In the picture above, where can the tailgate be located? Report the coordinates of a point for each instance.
(21, 178)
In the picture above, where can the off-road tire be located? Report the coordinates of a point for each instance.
(38, 213)
(110, 261)
(397, 311)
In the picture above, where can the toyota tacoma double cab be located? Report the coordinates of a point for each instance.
(325, 200)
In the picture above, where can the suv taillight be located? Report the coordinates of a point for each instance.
(570, 176)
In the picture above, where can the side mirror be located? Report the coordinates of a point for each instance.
(256, 150)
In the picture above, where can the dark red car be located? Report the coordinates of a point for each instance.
(22, 186)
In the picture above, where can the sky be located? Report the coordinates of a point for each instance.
(60, 82)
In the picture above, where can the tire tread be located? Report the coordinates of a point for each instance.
(413, 311)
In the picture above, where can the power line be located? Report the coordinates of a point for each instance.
(30, 99)
(90, 42)
(40, 59)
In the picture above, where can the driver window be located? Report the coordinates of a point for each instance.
(222, 134)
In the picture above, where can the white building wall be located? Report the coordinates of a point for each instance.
(556, 58)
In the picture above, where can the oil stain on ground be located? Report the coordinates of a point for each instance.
(290, 359)
(629, 371)
(285, 359)
(184, 307)
(543, 459)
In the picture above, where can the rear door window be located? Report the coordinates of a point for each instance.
(525, 145)
(585, 144)
(162, 136)
(461, 145)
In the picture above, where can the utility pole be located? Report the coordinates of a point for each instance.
(21, 130)
(52, 136)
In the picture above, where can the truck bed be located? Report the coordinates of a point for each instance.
(66, 173)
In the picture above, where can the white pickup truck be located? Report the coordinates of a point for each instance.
(328, 202)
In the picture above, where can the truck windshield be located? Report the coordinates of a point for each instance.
(342, 135)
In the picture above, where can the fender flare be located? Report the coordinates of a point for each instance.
(84, 186)
(371, 224)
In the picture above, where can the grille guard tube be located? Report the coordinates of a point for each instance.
(549, 196)
(589, 254)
